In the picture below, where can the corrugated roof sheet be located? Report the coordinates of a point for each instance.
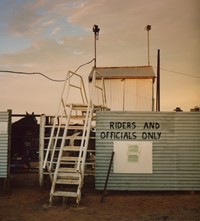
(125, 72)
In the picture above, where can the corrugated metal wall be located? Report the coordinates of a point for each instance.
(5, 123)
(175, 154)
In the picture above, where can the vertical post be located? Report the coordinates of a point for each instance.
(107, 177)
(148, 48)
(148, 28)
(95, 51)
(158, 83)
(96, 30)
(123, 80)
(41, 149)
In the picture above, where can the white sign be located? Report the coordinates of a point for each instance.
(132, 156)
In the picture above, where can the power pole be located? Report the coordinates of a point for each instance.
(96, 30)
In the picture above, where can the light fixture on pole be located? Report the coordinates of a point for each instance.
(96, 30)
(148, 28)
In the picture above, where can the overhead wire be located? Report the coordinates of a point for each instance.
(62, 80)
(181, 73)
(43, 75)
(32, 73)
(84, 64)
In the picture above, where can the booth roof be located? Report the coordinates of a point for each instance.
(132, 72)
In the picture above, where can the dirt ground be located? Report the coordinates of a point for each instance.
(28, 202)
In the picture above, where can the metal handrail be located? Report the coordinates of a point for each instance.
(87, 134)
(63, 100)
(81, 87)
(100, 88)
(85, 139)
(60, 152)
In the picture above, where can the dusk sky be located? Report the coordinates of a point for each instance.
(53, 37)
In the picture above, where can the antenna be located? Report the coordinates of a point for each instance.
(158, 83)
(96, 30)
(148, 28)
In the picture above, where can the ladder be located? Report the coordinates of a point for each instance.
(67, 148)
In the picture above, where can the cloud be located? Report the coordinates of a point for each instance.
(23, 22)
(47, 54)
(55, 30)
(122, 35)
(78, 52)
(48, 23)
(31, 18)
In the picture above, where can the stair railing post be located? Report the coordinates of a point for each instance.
(87, 134)
(83, 140)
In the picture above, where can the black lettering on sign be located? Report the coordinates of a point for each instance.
(151, 125)
(122, 125)
(133, 125)
(151, 135)
(103, 135)
(127, 135)
(112, 125)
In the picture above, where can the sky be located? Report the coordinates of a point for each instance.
(53, 37)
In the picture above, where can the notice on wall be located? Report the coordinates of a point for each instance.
(3, 127)
(132, 156)
(122, 130)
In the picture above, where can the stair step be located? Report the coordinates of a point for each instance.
(80, 117)
(69, 159)
(68, 175)
(67, 181)
(67, 170)
(65, 194)
(77, 117)
(84, 106)
(76, 148)
(53, 137)
(71, 126)
(71, 148)
(76, 127)
(78, 106)
(67, 163)
(67, 137)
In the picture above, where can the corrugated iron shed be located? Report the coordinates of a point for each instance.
(132, 72)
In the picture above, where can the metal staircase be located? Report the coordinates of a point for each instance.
(67, 148)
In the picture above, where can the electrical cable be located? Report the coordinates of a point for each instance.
(177, 72)
(43, 75)
(84, 64)
(32, 73)
(56, 80)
